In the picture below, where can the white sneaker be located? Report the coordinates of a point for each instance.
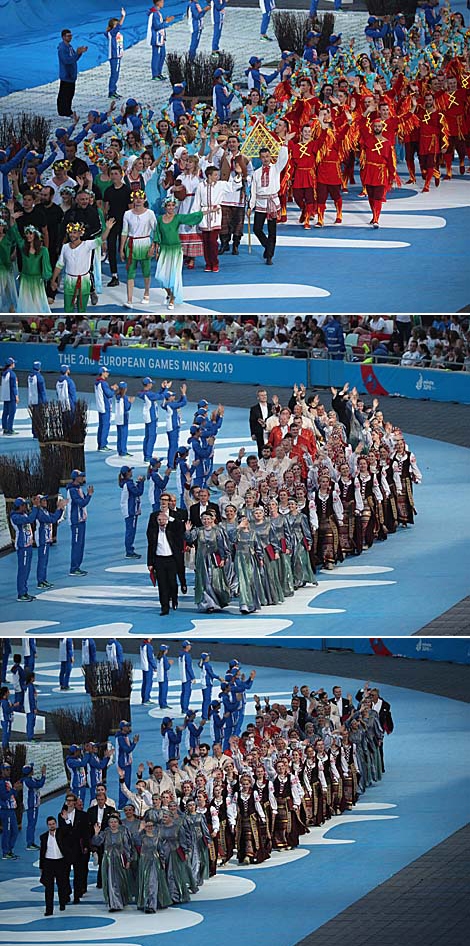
(146, 300)
(127, 305)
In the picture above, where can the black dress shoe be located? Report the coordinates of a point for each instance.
(174, 605)
(235, 251)
(48, 913)
(184, 589)
(114, 281)
(164, 611)
(269, 261)
(76, 899)
(62, 909)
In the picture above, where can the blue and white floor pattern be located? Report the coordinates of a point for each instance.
(393, 589)
(421, 800)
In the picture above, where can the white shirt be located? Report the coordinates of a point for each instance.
(77, 261)
(208, 196)
(100, 814)
(70, 817)
(138, 225)
(53, 851)
(259, 192)
(163, 545)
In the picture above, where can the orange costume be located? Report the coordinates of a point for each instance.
(378, 168)
(455, 106)
(303, 158)
(433, 139)
(331, 146)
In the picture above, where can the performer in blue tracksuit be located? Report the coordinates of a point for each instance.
(66, 659)
(6, 165)
(124, 749)
(5, 658)
(37, 393)
(171, 740)
(231, 707)
(8, 805)
(115, 654)
(193, 730)
(150, 399)
(401, 34)
(6, 716)
(157, 483)
(21, 521)
(46, 520)
(89, 657)
(9, 396)
(376, 31)
(183, 475)
(156, 37)
(78, 515)
(176, 105)
(18, 677)
(239, 685)
(29, 653)
(266, 7)
(31, 801)
(202, 454)
(310, 53)
(104, 395)
(30, 704)
(130, 506)
(256, 79)
(218, 16)
(163, 673)
(217, 721)
(122, 406)
(96, 766)
(196, 14)
(115, 52)
(208, 675)
(173, 405)
(148, 664)
(66, 390)
(76, 763)
(187, 675)
(221, 97)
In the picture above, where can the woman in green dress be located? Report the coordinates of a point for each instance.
(116, 862)
(9, 238)
(174, 852)
(281, 529)
(36, 270)
(301, 537)
(153, 893)
(248, 565)
(270, 573)
(211, 592)
(169, 272)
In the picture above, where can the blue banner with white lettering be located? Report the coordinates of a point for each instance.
(375, 380)
(447, 649)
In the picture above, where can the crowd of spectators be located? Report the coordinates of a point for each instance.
(400, 340)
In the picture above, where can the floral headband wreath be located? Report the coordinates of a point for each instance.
(62, 165)
(70, 191)
(75, 228)
(170, 200)
(140, 195)
(3, 222)
(31, 229)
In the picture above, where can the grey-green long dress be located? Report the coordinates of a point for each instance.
(284, 541)
(177, 869)
(248, 554)
(270, 573)
(229, 532)
(153, 893)
(299, 529)
(211, 592)
(118, 850)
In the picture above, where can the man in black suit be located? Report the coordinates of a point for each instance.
(168, 503)
(204, 504)
(77, 845)
(53, 864)
(344, 705)
(259, 414)
(164, 541)
(99, 814)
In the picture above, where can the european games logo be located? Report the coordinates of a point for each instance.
(424, 384)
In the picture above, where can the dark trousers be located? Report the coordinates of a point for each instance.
(65, 98)
(80, 876)
(165, 572)
(211, 246)
(113, 241)
(269, 241)
(54, 872)
(180, 567)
